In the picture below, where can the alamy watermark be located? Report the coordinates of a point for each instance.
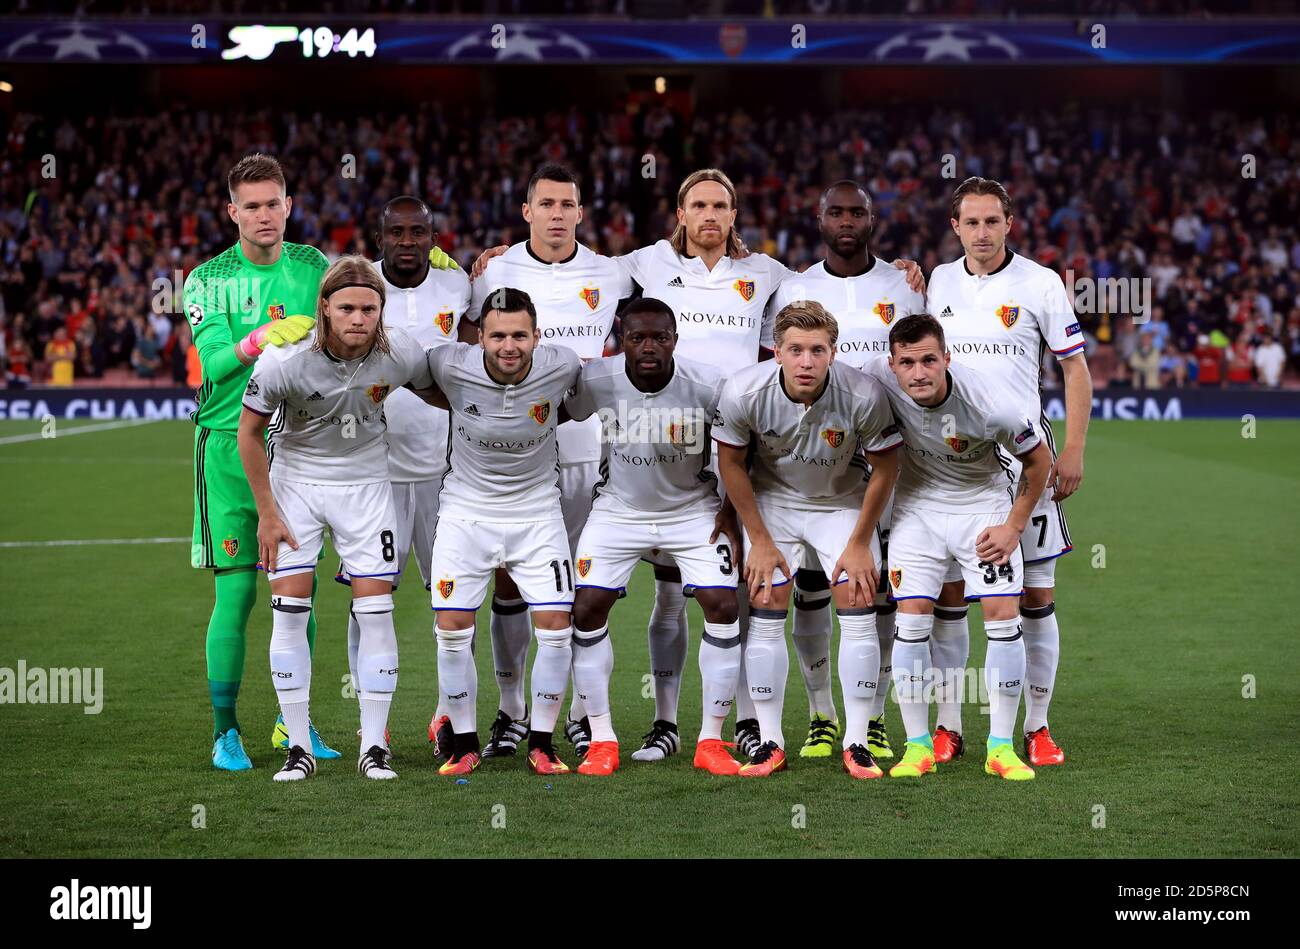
(36, 686)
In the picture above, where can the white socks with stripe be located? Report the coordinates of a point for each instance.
(376, 666)
(550, 676)
(593, 663)
(949, 648)
(668, 635)
(720, 660)
(458, 678)
(767, 666)
(885, 613)
(911, 669)
(291, 665)
(1042, 652)
(859, 664)
(511, 633)
(1004, 671)
(812, 644)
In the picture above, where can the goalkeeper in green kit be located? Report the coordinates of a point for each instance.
(251, 296)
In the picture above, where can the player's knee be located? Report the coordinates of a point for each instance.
(589, 613)
(1037, 598)
(1036, 612)
(718, 606)
(953, 594)
(553, 638)
(454, 640)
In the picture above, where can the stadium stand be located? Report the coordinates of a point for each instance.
(1147, 193)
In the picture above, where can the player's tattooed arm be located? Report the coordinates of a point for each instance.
(763, 559)
(271, 529)
(1067, 475)
(433, 396)
(996, 544)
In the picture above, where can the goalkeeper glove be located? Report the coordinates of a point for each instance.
(439, 260)
(277, 333)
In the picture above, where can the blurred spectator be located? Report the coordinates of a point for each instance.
(119, 342)
(1269, 359)
(144, 358)
(1173, 367)
(1241, 371)
(90, 354)
(60, 357)
(1145, 363)
(1209, 363)
(18, 363)
(179, 354)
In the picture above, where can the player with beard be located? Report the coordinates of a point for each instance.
(1001, 312)
(866, 297)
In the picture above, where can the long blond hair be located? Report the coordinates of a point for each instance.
(349, 271)
(678, 240)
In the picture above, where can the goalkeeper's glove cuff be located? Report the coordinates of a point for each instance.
(252, 344)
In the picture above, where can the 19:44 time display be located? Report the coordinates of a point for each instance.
(323, 41)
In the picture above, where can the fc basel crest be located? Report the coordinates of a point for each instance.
(445, 587)
(275, 311)
(584, 566)
(745, 288)
(681, 434)
(591, 296)
(1008, 315)
(231, 546)
(539, 412)
(896, 578)
(958, 444)
(378, 393)
(444, 321)
(833, 436)
(885, 311)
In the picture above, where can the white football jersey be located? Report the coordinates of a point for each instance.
(865, 306)
(431, 313)
(502, 459)
(808, 457)
(952, 463)
(656, 446)
(329, 413)
(720, 312)
(1000, 323)
(576, 301)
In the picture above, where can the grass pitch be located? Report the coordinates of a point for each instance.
(1167, 756)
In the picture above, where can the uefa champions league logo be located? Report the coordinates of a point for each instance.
(530, 42)
(76, 41)
(946, 41)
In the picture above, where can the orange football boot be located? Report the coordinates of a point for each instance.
(546, 761)
(859, 763)
(458, 765)
(767, 760)
(948, 745)
(440, 736)
(1041, 750)
(601, 759)
(711, 755)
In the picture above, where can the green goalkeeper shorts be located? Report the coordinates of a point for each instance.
(225, 515)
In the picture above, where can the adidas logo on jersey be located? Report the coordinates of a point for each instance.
(947, 311)
(315, 397)
(471, 409)
(676, 282)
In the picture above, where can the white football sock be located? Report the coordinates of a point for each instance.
(720, 655)
(667, 632)
(354, 641)
(911, 669)
(767, 663)
(885, 634)
(457, 679)
(859, 670)
(1042, 652)
(291, 665)
(374, 718)
(593, 663)
(511, 632)
(1004, 671)
(376, 665)
(551, 668)
(949, 649)
(744, 703)
(812, 644)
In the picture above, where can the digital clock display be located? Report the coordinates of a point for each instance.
(259, 42)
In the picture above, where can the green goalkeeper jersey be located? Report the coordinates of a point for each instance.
(226, 299)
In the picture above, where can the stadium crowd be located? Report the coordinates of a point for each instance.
(91, 260)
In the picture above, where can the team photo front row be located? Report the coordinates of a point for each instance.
(738, 480)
